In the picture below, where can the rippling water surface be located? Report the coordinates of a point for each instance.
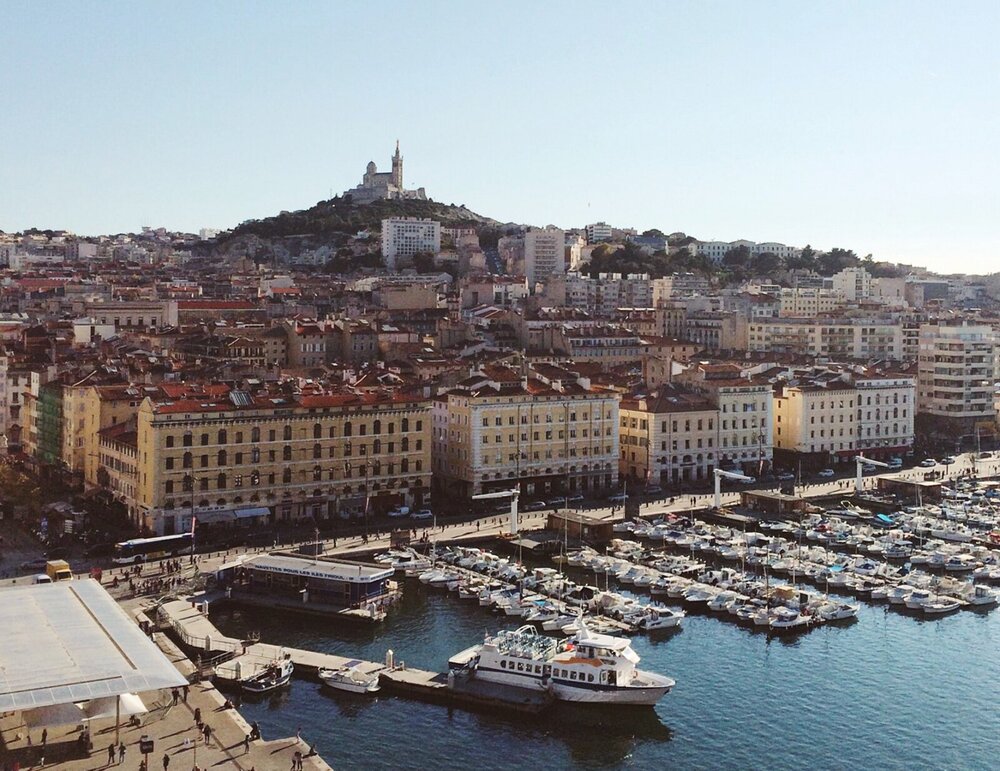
(888, 691)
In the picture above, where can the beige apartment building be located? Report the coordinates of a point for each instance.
(668, 438)
(225, 456)
(547, 432)
(816, 421)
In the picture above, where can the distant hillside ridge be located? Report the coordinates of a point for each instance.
(341, 215)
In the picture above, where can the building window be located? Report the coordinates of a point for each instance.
(317, 431)
(187, 460)
(222, 457)
(255, 435)
(286, 452)
(204, 439)
(239, 437)
(348, 429)
(317, 451)
(170, 441)
(286, 475)
(188, 439)
(238, 480)
(169, 464)
(169, 486)
(204, 461)
(220, 481)
(223, 437)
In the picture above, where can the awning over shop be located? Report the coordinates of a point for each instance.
(207, 517)
(258, 511)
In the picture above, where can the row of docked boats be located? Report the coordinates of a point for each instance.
(542, 596)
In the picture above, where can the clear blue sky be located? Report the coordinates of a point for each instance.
(866, 125)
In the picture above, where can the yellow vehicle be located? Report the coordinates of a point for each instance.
(58, 570)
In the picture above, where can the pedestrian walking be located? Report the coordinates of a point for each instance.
(111, 753)
(197, 717)
(175, 696)
(298, 733)
(121, 753)
(246, 744)
(166, 761)
(185, 693)
(208, 733)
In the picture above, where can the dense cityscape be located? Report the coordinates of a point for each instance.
(644, 414)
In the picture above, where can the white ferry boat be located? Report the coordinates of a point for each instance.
(587, 667)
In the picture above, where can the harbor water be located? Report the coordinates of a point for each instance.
(888, 691)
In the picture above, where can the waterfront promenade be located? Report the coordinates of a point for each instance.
(174, 732)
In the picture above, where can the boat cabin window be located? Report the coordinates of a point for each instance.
(503, 664)
(590, 678)
(538, 669)
(520, 667)
(572, 675)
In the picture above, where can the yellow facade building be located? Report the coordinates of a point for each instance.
(226, 455)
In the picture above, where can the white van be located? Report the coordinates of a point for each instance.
(41, 578)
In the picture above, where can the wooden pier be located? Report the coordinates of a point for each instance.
(235, 659)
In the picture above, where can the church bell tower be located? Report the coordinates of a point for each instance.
(397, 168)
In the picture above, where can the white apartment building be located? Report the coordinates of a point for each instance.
(956, 368)
(886, 410)
(403, 237)
(837, 339)
(716, 250)
(746, 405)
(853, 283)
(544, 255)
(598, 232)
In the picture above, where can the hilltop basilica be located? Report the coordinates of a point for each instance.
(378, 186)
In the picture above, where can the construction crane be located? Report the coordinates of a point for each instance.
(512, 494)
(719, 474)
(862, 461)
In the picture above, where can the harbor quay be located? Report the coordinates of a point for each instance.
(187, 725)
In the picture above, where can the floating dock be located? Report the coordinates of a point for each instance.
(237, 659)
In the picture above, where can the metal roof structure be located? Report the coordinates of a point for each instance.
(336, 570)
(69, 641)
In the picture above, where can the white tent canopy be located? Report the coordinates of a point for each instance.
(131, 704)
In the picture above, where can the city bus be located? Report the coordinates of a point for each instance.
(142, 549)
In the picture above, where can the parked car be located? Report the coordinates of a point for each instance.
(928, 463)
(536, 506)
(785, 475)
(827, 472)
(654, 490)
(423, 515)
(618, 498)
(748, 481)
(895, 463)
(34, 565)
(948, 460)
(985, 454)
(399, 512)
